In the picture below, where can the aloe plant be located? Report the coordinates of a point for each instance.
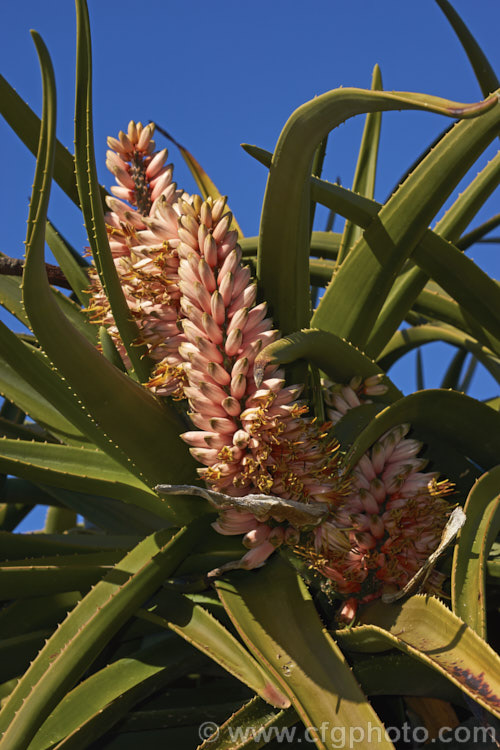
(264, 557)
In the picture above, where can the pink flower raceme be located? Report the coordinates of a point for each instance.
(248, 438)
(143, 243)
(385, 529)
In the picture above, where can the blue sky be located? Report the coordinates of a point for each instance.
(219, 74)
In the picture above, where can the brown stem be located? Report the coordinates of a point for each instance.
(15, 266)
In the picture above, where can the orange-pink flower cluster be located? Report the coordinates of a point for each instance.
(196, 306)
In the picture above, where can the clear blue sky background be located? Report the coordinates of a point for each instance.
(219, 74)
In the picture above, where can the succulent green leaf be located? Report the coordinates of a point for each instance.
(109, 349)
(19, 366)
(242, 729)
(420, 371)
(347, 429)
(453, 373)
(336, 357)
(316, 169)
(437, 306)
(91, 202)
(493, 403)
(12, 515)
(478, 233)
(354, 207)
(407, 287)
(290, 641)
(59, 520)
(88, 628)
(408, 338)
(14, 490)
(469, 374)
(17, 651)
(11, 298)
(424, 628)
(354, 299)
(23, 432)
(197, 626)
(397, 673)
(25, 616)
(97, 703)
(14, 546)
(285, 223)
(436, 257)
(468, 590)
(364, 176)
(72, 264)
(109, 514)
(25, 123)
(82, 470)
(485, 74)
(26, 581)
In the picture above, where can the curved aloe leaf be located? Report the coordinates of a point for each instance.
(206, 186)
(16, 652)
(111, 692)
(146, 431)
(445, 413)
(347, 429)
(90, 198)
(424, 628)
(285, 224)
(246, 728)
(485, 74)
(356, 208)
(290, 641)
(11, 298)
(408, 338)
(25, 616)
(20, 363)
(198, 627)
(12, 430)
(478, 233)
(25, 123)
(86, 470)
(26, 581)
(109, 349)
(364, 176)
(87, 629)
(336, 357)
(453, 374)
(407, 287)
(433, 254)
(59, 520)
(37, 545)
(72, 265)
(396, 673)
(471, 552)
(434, 305)
(358, 291)
(111, 515)
(323, 244)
